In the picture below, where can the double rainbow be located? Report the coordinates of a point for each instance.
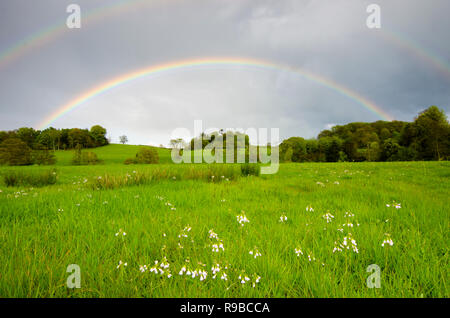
(54, 31)
(213, 62)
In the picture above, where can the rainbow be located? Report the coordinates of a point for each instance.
(407, 44)
(209, 62)
(52, 32)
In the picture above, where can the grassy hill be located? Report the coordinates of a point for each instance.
(111, 154)
(115, 154)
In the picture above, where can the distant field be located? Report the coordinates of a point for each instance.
(111, 154)
(169, 219)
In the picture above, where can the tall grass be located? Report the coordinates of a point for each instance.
(14, 178)
(43, 230)
(209, 173)
(250, 169)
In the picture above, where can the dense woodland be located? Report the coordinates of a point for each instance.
(57, 139)
(426, 138)
(26, 146)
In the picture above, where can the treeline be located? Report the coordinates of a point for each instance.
(220, 141)
(427, 138)
(26, 146)
(58, 139)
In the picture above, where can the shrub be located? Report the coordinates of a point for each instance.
(130, 161)
(250, 169)
(35, 179)
(15, 152)
(76, 159)
(89, 158)
(84, 158)
(43, 156)
(147, 155)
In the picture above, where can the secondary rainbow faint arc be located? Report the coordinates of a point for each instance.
(54, 31)
(155, 69)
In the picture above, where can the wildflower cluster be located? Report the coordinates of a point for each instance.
(311, 257)
(215, 269)
(121, 232)
(394, 205)
(244, 278)
(185, 231)
(217, 246)
(121, 264)
(348, 243)
(171, 206)
(216, 243)
(201, 273)
(242, 218)
(348, 223)
(255, 253)
(328, 217)
(387, 240)
(283, 218)
(298, 251)
(160, 268)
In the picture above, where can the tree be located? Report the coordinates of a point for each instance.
(98, 133)
(15, 152)
(43, 156)
(27, 135)
(177, 143)
(293, 149)
(389, 150)
(80, 137)
(330, 146)
(287, 154)
(433, 133)
(49, 138)
(373, 151)
(123, 139)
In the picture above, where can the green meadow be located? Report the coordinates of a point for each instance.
(198, 230)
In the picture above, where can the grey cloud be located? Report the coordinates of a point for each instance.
(328, 38)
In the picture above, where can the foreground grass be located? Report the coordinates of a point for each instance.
(43, 230)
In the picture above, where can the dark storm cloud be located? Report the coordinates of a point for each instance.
(329, 38)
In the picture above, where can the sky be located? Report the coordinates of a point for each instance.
(402, 67)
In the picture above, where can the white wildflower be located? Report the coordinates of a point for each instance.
(328, 217)
(242, 219)
(387, 240)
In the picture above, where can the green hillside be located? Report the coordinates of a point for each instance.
(111, 154)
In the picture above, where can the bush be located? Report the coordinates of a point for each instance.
(89, 158)
(130, 161)
(84, 158)
(250, 169)
(147, 155)
(43, 157)
(35, 179)
(15, 152)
